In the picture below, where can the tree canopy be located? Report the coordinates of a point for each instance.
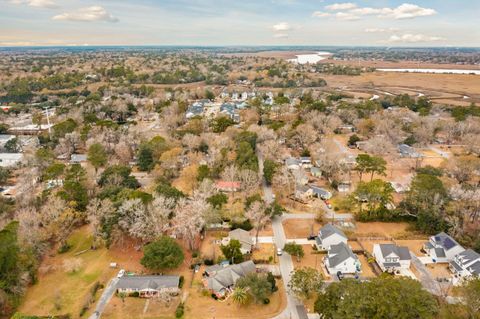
(162, 254)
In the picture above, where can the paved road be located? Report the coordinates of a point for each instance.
(105, 298)
(439, 151)
(425, 277)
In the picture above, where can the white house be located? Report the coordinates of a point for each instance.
(148, 286)
(341, 258)
(10, 159)
(391, 257)
(442, 248)
(466, 264)
(329, 235)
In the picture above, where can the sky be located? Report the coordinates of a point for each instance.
(240, 22)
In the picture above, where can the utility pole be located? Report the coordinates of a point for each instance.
(48, 121)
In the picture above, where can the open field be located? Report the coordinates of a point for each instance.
(380, 229)
(401, 64)
(202, 306)
(62, 292)
(300, 228)
(265, 252)
(140, 308)
(311, 260)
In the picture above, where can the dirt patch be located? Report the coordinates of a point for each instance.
(439, 270)
(300, 228)
(311, 260)
(265, 252)
(380, 229)
(367, 271)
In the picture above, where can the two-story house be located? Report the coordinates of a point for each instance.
(341, 258)
(329, 235)
(442, 248)
(466, 264)
(391, 257)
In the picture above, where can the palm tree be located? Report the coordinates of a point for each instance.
(240, 295)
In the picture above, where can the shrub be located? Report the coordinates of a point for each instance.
(208, 262)
(179, 312)
(181, 282)
(266, 301)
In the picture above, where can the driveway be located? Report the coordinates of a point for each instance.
(424, 276)
(105, 298)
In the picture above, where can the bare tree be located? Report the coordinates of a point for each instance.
(249, 180)
(98, 211)
(189, 219)
(133, 219)
(230, 173)
(257, 216)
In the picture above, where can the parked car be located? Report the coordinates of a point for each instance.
(121, 273)
(279, 251)
(340, 275)
(311, 237)
(328, 204)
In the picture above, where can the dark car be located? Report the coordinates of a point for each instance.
(340, 276)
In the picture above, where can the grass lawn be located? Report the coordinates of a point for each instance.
(300, 228)
(60, 292)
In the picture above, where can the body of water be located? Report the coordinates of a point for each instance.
(310, 58)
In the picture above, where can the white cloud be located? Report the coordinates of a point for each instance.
(380, 30)
(36, 3)
(321, 14)
(94, 13)
(341, 6)
(282, 26)
(350, 11)
(413, 38)
(346, 16)
(280, 35)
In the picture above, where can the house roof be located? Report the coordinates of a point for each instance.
(440, 252)
(148, 282)
(329, 230)
(337, 254)
(402, 252)
(78, 158)
(227, 185)
(292, 161)
(241, 235)
(445, 241)
(228, 276)
(321, 192)
(475, 268)
(468, 256)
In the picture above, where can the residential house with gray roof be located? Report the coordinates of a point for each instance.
(466, 264)
(341, 258)
(220, 282)
(148, 286)
(442, 248)
(391, 257)
(329, 235)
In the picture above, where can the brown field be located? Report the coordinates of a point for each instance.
(265, 252)
(401, 64)
(270, 54)
(300, 228)
(379, 229)
(311, 260)
(203, 306)
(137, 307)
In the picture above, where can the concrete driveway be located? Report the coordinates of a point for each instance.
(105, 298)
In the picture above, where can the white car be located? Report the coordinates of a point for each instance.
(121, 273)
(279, 251)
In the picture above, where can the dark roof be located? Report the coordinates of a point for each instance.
(228, 276)
(455, 265)
(440, 252)
(387, 265)
(148, 282)
(444, 240)
(402, 252)
(475, 268)
(469, 256)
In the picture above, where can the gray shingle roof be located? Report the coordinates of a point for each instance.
(339, 253)
(328, 230)
(242, 236)
(148, 282)
(228, 276)
(402, 252)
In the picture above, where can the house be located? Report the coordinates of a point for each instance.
(292, 163)
(306, 162)
(341, 258)
(466, 264)
(320, 192)
(243, 237)
(442, 248)
(391, 257)
(148, 286)
(316, 172)
(78, 158)
(344, 187)
(407, 151)
(10, 159)
(4, 138)
(196, 109)
(221, 280)
(227, 187)
(329, 235)
(303, 192)
(399, 188)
